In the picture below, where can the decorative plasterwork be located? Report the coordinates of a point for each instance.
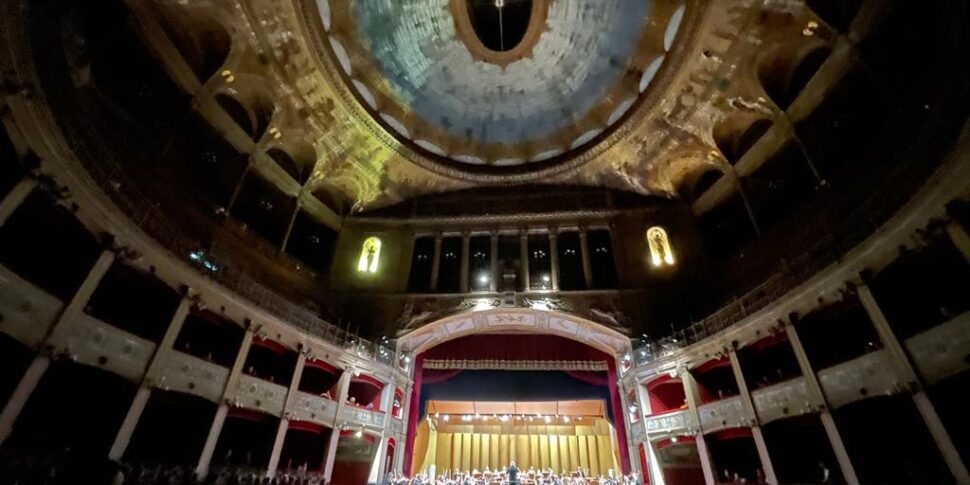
(409, 69)
(514, 320)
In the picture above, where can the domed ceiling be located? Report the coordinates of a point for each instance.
(379, 101)
(570, 70)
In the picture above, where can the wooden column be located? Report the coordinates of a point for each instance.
(759, 439)
(202, 469)
(817, 396)
(331, 453)
(274, 458)
(907, 372)
(17, 195)
(41, 362)
(145, 390)
(693, 401)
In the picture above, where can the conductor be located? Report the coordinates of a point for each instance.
(513, 473)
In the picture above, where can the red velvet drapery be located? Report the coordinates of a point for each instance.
(596, 378)
(515, 347)
(434, 376)
(520, 348)
(618, 417)
(413, 414)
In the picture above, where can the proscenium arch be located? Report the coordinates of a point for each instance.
(515, 320)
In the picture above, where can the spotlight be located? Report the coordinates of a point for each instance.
(565, 419)
(548, 419)
(359, 433)
(447, 417)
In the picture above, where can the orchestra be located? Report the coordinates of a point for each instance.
(512, 476)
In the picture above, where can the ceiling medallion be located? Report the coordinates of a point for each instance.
(500, 31)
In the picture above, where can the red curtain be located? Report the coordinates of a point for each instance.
(644, 467)
(434, 376)
(413, 414)
(618, 417)
(596, 378)
(515, 347)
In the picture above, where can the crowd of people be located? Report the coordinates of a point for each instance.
(511, 475)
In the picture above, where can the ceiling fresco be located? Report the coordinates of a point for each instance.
(401, 99)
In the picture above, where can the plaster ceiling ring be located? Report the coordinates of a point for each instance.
(515, 321)
(531, 169)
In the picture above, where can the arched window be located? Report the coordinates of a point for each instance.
(370, 254)
(660, 252)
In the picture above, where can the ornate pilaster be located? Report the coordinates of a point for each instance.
(554, 258)
(465, 255)
(524, 255)
(436, 262)
(584, 253)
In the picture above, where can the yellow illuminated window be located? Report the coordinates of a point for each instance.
(370, 254)
(660, 252)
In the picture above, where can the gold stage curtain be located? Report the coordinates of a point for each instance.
(466, 446)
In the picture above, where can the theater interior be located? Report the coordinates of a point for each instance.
(413, 242)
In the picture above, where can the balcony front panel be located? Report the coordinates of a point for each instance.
(307, 407)
(942, 351)
(869, 375)
(257, 394)
(782, 400)
(92, 342)
(675, 422)
(192, 375)
(365, 417)
(723, 414)
(28, 312)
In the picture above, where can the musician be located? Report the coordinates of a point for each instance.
(513, 473)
